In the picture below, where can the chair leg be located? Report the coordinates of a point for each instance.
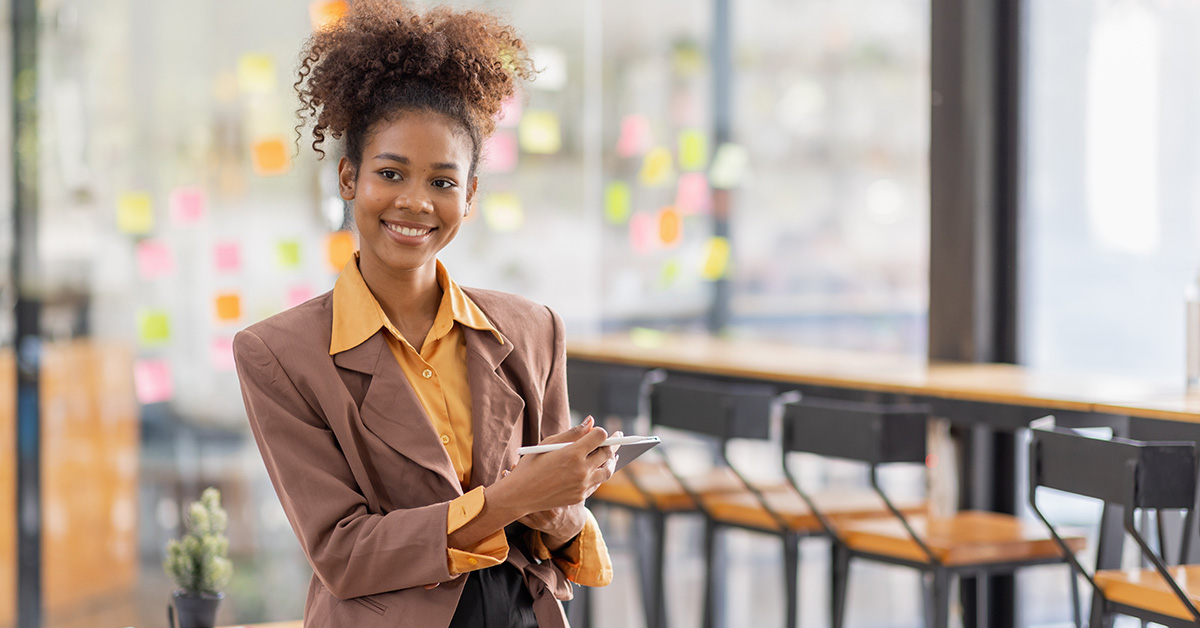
(791, 577)
(1076, 606)
(839, 583)
(650, 542)
(714, 577)
(939, 614)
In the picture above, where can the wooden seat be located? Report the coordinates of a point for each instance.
(744, 509)
(966, 538)
(657, 488)
(1145, 588)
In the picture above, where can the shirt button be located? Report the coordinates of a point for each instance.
(427, 373)
(445, 439)
(473, 561)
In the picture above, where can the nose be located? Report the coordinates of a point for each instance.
(414, 200)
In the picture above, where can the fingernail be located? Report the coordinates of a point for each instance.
(618, 434)
(588, 422)
(505, 474)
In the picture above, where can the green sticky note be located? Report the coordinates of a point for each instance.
(287, 254)
(669, 273)
(617, 203)
(154, 327)
(693, 150)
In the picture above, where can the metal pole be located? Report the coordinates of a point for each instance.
(722, 102)
(28, 312)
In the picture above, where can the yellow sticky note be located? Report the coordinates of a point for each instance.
(270, 157)
(647, 338)
(540, 132)
(502, 212)
(154, 327)
(617, 202)
(256, 73)
(228, 307)
(135, 213)
(287, 254)
(670, 227)
(728, 167)
(339, 248)
(716, 258)
(693, 149)
(326, 13)
(656, 167)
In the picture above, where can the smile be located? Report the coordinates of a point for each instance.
(407, 231)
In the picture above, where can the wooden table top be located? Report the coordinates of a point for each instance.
(993, 383)
(279, 624)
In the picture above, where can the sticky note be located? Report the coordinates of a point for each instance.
(227, 257)
(500, 152)
(154, 259)
(693, 149)
(670, 227)
(256, 73)
(270, 157)
(669, 273)
(502, 212)
(221, 353)
(135, 213)
(326, 13)
(729, 166)
(297, 295)
(152, 381)
(339, 248)
(617, 202)
(510, 111)
(187, 205)
(692, 195)
(228, 307)
(656, 167)
(643, 232)
(287, 254)
(647, 338)
(716, 258)
(154, 327)
(634, 137)
(540, 133)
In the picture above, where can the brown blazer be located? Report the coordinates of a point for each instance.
(362, 475)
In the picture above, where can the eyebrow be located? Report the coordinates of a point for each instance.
(446, 165)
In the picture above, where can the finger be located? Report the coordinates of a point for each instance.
(571, 435)
(588, 442)
(431, 586)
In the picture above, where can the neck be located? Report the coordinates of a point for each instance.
(409, 298)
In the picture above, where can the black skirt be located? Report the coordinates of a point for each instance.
(495, 597)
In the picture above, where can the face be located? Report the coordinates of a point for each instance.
(411, 192)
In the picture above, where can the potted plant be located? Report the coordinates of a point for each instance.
(199, 564)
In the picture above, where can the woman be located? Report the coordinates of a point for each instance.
(389, 410)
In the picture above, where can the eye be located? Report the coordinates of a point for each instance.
(390, 175)
(443, 183)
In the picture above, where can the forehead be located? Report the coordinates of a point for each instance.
(419, 136)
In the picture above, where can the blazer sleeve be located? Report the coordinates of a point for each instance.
(352, 551)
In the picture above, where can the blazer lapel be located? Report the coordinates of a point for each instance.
(391, 409)
(496, 409)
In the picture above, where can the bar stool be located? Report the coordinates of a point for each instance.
(964, 543)
(1134, 475)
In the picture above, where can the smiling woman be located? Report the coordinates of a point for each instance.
(389, 411)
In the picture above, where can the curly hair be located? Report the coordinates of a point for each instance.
(383, 58)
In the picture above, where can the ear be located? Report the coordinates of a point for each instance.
(347, 177)
(471, 189)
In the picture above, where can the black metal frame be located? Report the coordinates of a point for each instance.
(1158, 475)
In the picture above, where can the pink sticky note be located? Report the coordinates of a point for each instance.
(635, 135)
(510, 111)
(643, 231)
(692, 195)
(228, 256)
(221, 353)
(500, 153)
(152, 381)
(187, 205)
(154, 259)
(297, 295)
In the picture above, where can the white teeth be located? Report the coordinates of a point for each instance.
(406, 230)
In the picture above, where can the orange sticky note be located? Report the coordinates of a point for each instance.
(339, 248)
(270, 157)
(326, 13)
(670, 227)
(228, 307)
(152, 381)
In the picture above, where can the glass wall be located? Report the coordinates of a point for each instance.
(1110, 201)
(178, 208)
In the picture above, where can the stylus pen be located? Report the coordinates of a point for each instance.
(541, 449)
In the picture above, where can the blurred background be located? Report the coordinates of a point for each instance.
(759, 173)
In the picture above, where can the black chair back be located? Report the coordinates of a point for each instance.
(865, 432)
(719, 409)
(604, 390)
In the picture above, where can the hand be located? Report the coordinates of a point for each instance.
(556, 480)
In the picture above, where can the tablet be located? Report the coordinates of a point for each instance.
(631, 447)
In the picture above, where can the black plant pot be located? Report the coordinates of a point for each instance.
(193, 611)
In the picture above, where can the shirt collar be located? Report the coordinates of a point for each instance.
(357, 315)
